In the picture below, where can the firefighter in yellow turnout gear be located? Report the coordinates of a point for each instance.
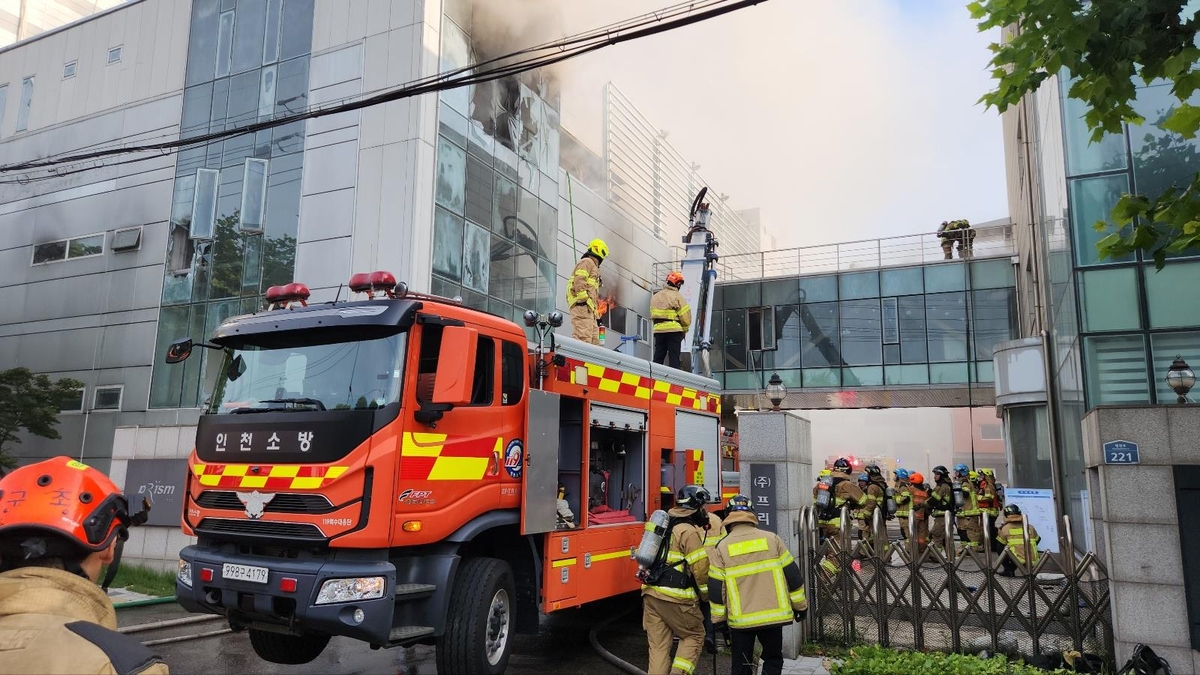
(844, 493)
(583, 293)
(756, 587)
(1021, 543)
(670, 599)
(671, 316)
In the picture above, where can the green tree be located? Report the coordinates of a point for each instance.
(1101, 46)
(30, 403)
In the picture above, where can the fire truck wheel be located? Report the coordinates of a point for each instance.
(477, 640)
(292, 650)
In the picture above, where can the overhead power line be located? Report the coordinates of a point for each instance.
(507, 65)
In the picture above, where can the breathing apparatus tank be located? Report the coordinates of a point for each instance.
(653, 539)
(824, 492)
(959, 499)
(891, 501)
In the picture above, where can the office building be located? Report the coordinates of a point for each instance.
(23, 19)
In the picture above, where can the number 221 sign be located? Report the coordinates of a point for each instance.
(1121, 452)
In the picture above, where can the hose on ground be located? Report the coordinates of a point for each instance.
(142, 603)
(169, 623)
(603, 653)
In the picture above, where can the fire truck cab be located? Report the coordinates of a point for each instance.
(405, 470)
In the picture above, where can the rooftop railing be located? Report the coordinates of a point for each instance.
(993, 241)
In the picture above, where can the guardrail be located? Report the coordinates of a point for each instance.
(915, 249)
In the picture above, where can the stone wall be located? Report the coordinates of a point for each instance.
(1136, 525)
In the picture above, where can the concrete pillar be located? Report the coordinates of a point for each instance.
(778, 442)
(1136, 526)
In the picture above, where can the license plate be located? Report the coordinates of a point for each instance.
(256, 575)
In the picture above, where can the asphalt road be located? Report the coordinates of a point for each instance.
(561, 646)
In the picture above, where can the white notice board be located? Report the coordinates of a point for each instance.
(1038, 507)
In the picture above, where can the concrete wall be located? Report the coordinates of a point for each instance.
(152, 546)
(92, 318)
(1137, 528)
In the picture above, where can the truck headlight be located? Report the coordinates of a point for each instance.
(185, 573)
(349, 590)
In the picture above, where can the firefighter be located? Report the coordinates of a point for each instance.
(712, 534)
(1020, 539)
(875, 498)
(988, 505)
(670, 599)
(671, 316)
(970, 518)
(956, 231)
(766, 584)
(903, 500)
(844, 493)
(918, 496)
(62, 522)
(941, 508)
(583, 293)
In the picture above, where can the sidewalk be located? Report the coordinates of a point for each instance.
(805, 665)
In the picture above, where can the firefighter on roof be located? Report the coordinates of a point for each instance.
(755, 586)
(673, 590)
(672, 316)
(62, 522)
(583, 293)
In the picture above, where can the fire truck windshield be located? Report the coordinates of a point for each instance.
(357, 375)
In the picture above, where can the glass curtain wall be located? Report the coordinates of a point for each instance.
(1129, 314)
(495, 228)
(236, 203)
(907, 326)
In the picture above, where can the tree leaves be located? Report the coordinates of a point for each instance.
(30, 403)
(1100, 47)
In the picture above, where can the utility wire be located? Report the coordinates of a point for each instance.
(671, 18)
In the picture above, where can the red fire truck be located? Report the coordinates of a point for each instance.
(405, 470)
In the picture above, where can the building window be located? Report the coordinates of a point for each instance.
(25, 104)
(991, 432)
(1116, 370)
(69, 69)
(204, 205)
(114, 55)
(643, 329)
(254, 194)
(128, 239)
(107, 397)
(68, 249)
(3, 102)
(224, 43)
(73, 402)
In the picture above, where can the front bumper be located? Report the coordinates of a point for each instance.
(250, 604)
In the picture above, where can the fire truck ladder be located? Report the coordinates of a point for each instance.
(700, 280)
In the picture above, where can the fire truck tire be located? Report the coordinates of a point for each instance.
(291, 650)
(479, 624)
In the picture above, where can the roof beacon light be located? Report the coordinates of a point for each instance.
(377, 282)
(281, 297)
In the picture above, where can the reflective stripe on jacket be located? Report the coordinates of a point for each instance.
(874, 498)
(941, 499)
(1009, 534)
(970, 500)
(583, 288)
(669, 311)
(687, 545)
(987, 499)
(903, 500)
(753, 580)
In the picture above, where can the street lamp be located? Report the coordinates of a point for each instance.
(776, 391)
(1180, 378)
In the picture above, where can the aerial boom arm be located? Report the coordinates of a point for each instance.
(700, 278)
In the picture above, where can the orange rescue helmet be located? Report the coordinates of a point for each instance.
(915, 478)
(62, 497)
(675, 278)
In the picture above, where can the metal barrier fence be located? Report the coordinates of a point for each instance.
(906, 594)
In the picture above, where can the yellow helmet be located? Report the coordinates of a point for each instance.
(598, 248)
(825, 472)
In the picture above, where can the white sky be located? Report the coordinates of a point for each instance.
(841, 119)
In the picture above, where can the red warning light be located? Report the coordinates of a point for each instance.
(279, 297)
(374, 282)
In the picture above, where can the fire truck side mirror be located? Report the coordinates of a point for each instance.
(456, 366)
(179, 350)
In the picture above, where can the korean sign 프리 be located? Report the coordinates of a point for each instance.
(763, 495)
